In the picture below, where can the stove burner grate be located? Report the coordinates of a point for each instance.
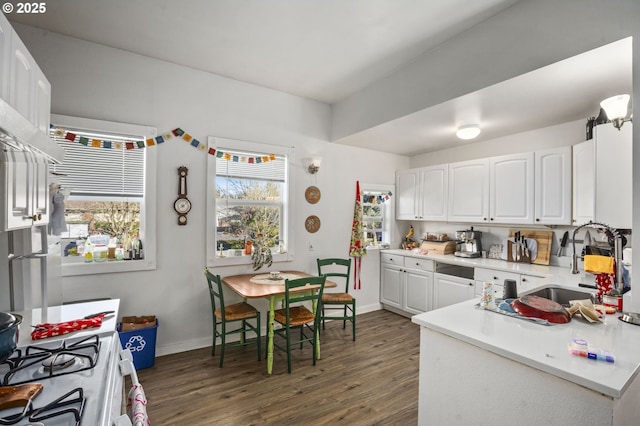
(70, 404)
(86, 349)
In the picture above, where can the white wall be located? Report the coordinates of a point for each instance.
(94, 81)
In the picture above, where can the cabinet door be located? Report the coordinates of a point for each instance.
(511, 191)
(529, 282)
(407, 194)
(417, 291)
(6, 32)
(434, 187)
(40, 191)
(469, 191)
(448, 290)
(390, 286)
(21, 80)
(553, 186)
(584, 182)
(18, 178)
(614, 175)
(42, 102)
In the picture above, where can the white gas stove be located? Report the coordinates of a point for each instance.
(80, 377)
(86, 382)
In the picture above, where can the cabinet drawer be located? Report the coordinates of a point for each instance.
(416, 263)
(392, 258)
(498, 277)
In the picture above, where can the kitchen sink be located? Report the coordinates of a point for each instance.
(562, 295)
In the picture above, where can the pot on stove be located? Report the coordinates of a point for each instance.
(9, 325)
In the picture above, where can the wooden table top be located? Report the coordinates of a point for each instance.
(243, 286)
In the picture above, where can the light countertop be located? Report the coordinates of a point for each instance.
(545, 347)
(556, 274)
(63, 313)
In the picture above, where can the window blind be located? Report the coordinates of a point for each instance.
(273, 170)
(88, 171)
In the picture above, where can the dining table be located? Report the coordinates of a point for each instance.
(264, 285)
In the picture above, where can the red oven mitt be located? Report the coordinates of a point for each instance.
(42, 331)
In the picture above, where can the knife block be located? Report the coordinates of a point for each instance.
(522, 258)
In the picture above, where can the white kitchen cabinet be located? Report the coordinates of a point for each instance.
(469, 191)
(406, 283)
(22, 79)
(24, 176)
(448, 290)
(422, 193)
(511, 194)
(524, 282)
(6, 33)
(42, 101)
(614, 167)
(529, 282)
(584, 182)
(407, 183)
(553, 186)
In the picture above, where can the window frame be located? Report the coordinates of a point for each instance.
(388, 208)
(287, 211)
(148, 215)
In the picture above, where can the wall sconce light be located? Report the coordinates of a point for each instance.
(467, 132)
(616, 109)
(314, 166)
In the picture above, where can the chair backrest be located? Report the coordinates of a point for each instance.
(291, 297)
(215, 292)
(335, 267)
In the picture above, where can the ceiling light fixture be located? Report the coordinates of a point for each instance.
(616, 109)
(468, 132)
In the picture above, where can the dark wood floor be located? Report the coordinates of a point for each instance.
(372, 381)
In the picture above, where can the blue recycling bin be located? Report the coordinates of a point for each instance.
(142, 344)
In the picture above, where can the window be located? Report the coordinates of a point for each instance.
(247, 195)
(107, 180)
(376, 210)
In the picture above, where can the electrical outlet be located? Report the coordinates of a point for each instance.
(310, 246)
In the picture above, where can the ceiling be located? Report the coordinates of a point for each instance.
(327, 50)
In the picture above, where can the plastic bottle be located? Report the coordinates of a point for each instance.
(88, 250)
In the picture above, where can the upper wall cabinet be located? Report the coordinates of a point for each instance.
(422, 193)
(614, 162)
(469, 191)
(553, 186)
(511, 194)
(584, 182)
(22, 83)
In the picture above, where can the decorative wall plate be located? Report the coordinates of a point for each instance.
(312, 194)
(312, 223)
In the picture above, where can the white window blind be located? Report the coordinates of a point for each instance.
(273, 170)
(89, 171)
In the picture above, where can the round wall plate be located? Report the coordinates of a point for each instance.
(312, 223)
(312, 194)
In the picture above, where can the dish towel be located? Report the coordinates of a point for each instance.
(137, 406)
(42, 331)
(598, 264)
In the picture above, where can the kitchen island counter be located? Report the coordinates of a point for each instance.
(499, 361)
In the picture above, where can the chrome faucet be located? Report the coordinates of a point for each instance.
(617, 253)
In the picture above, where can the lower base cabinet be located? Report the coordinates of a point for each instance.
(448, 290)
(406, 284)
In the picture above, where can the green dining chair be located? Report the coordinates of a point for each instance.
(224, 314)
(295, 315)
(338, 305)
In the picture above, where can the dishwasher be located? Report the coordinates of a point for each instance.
(452, 284)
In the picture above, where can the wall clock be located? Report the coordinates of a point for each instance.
(182, 205)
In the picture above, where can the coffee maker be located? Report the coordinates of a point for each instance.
(469, 243)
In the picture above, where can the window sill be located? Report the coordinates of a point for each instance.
(81, 268)
(246, 260)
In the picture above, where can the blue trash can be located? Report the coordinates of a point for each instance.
(142, 344)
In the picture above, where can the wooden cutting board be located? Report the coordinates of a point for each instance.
(543, 238)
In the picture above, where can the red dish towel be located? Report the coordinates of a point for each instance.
(42, 331)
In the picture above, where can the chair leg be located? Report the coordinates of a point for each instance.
(215, 337)
(344, 315)
(258, 335)
(323, 317)
(353, 319)
(288, 349)
(222, 345)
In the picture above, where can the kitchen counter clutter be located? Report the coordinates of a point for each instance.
(57, 314)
